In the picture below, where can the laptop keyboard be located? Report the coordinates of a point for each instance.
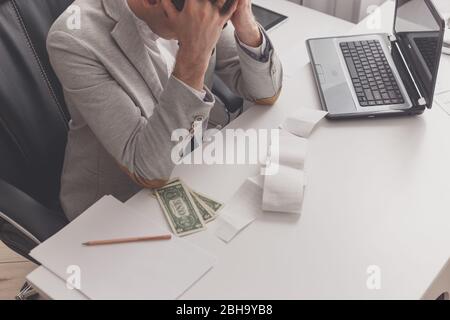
(428, 46)
(371, 74)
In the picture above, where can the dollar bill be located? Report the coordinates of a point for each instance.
(206, 213)
(208, 208)
(214, 205)
(204, 200)
(170, 182)
(210, 203)
(181, 211)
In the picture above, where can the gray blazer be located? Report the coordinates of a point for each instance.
(122, 115)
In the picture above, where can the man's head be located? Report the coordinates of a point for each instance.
(153, 13)
(224, 5)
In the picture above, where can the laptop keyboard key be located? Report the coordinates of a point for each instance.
(369, 94)
(351, 68)
(377, 95)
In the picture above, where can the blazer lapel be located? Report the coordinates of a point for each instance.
(127, 38)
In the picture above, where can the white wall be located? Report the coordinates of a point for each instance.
(352, 10)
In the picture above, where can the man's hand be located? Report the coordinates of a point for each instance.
(198, 28)
(245, 24)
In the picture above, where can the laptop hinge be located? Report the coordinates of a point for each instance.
(392, 38)
(421, 101)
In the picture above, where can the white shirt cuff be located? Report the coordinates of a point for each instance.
(200, 94)
(258, 51)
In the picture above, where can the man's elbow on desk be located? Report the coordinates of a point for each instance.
(268, 101)
(143, 182)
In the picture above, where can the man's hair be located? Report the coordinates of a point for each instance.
(179, 4)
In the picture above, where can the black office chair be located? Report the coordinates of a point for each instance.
(33, 125)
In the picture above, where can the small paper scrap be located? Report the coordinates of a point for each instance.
(304, 123)
(240, 211)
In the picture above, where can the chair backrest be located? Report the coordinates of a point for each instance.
(33, 115)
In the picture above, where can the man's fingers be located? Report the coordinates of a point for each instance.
(224, 5)
(170, 9)
(228, 14)
(195, 4)
(219, 3)
(229, 6)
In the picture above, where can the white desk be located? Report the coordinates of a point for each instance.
(377, 194)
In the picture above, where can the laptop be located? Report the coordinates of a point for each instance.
(381, 74)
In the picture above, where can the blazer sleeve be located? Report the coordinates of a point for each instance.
(251, 78)
(142, 145)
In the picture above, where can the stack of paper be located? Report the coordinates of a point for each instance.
(144, 270)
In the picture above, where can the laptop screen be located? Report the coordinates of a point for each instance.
(420, 31)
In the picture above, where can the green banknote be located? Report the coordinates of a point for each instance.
(212, 204)
(207, 208)
(180, 209)
(215, 206)
(206, 213)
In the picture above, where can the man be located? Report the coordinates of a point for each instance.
(135, 71)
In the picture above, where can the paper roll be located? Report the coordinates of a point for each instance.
(283, 192)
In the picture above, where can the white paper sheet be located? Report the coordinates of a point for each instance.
(283, 192)
(145, 270)
(292, 65)
(258, 180)
(240, 211)
(304, 122)
(443, 100)
(443, 81)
